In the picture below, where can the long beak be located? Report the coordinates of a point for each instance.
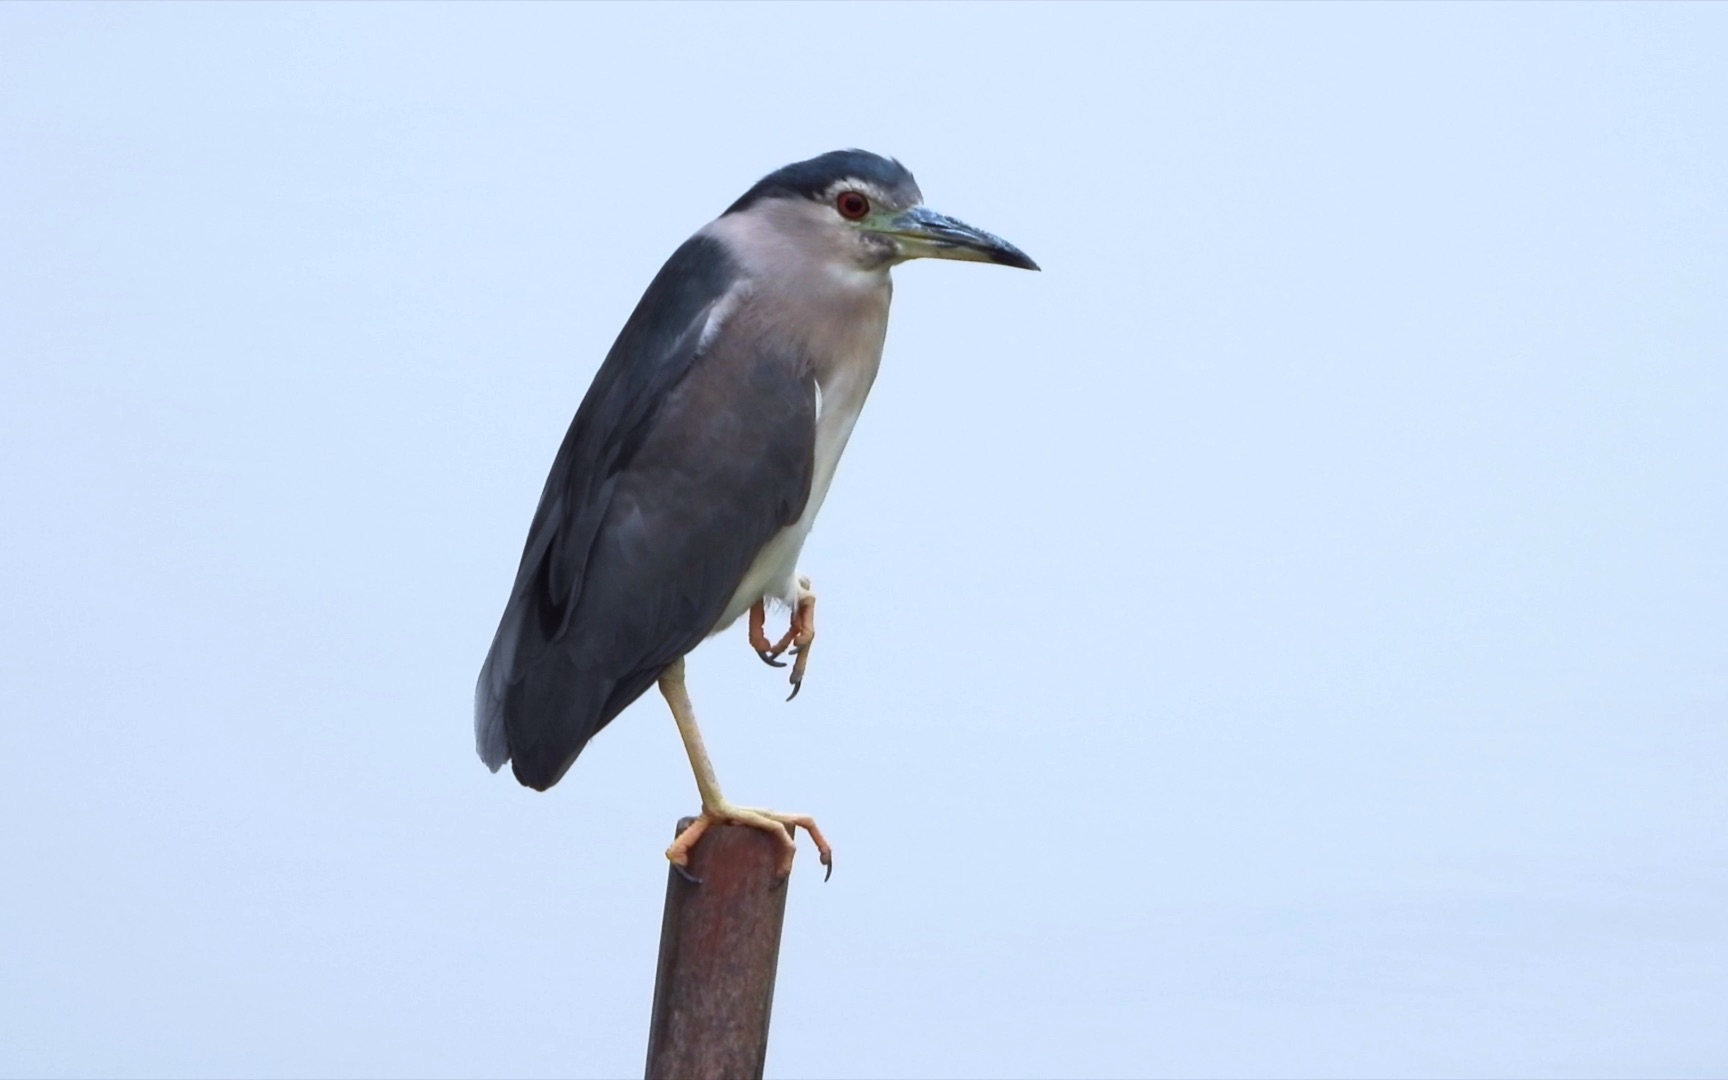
(925, 234)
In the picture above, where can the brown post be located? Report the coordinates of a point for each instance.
(719, 948)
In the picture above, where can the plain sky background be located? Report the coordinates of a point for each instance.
(1287, 636)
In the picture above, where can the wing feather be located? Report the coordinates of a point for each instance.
(687, 455)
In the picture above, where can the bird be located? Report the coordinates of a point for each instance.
(695, 465)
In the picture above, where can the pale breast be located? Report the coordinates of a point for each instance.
(810, 299)
(844, 363)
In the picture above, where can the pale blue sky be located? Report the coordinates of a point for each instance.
(1285, 637)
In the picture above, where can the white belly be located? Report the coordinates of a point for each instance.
(774, 573)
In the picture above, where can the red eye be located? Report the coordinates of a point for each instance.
(852, 206)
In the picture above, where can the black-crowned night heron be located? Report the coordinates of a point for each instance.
(696, 464)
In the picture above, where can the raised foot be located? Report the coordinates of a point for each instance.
(768, 820)
(799, 637)
(802, 635)
(767, 650)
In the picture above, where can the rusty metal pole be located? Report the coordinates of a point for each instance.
(719, 949)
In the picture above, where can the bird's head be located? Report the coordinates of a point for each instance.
(866, 212)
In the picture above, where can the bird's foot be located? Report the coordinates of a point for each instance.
(799, 637)
(766, 649)
(802, 635)
(768, 820)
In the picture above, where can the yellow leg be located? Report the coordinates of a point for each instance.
(715, 809)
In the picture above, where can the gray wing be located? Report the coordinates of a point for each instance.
(683, 461)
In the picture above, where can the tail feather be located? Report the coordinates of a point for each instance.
(543, 721)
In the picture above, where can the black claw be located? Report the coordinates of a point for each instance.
(797, 686)
(830, 865)
(768, 658)
(686, 875)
